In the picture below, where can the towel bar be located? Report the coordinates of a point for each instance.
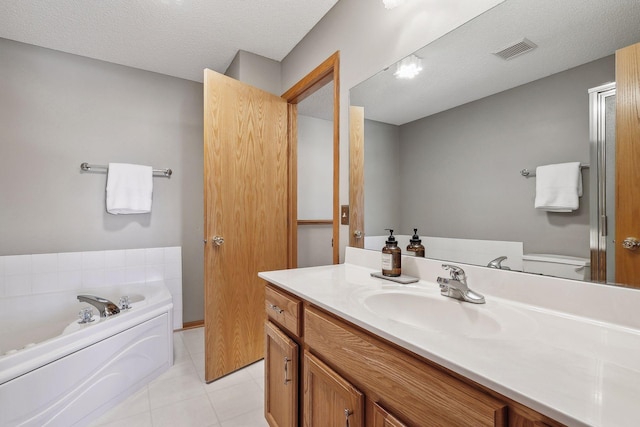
(527, 173)
(87, 167)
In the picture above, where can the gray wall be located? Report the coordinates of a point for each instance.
(256, 70)
(58, 110)
(370, 38)
(382, 170)
(466, 162)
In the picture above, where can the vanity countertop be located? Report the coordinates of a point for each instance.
(574, 369)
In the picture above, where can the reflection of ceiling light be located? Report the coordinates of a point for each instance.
(408, 68)
(390, 4)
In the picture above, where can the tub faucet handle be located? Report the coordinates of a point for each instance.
(125, 302)
(85, 315)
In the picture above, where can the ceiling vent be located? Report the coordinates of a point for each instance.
(516, 49)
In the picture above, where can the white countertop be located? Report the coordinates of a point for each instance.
(576, 370)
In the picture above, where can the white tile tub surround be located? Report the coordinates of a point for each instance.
(42, 273)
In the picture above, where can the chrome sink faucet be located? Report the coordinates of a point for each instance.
(104, 306)
(497, 263)
(456, 287)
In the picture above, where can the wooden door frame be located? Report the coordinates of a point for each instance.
(327, 71)
(356, 176)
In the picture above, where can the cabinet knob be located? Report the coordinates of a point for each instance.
(357, 234)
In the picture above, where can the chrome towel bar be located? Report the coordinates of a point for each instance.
(87, 167)
(527, 173)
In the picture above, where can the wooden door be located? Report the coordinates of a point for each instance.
(329, 399)
(356, 176)
(281, 378)
(245, 200)
(628, 165)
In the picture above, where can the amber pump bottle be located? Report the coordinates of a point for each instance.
(391, 260)
(415, 247)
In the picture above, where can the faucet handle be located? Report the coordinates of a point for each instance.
(456, 272)
(124, 303)
(85, 315)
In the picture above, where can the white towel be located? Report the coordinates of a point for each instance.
(129, 188)
(558, 187)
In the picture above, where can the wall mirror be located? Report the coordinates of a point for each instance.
(507, 91)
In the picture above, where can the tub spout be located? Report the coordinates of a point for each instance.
(104, 306)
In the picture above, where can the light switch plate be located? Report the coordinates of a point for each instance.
(344, 214)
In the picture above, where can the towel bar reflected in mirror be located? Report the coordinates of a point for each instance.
(527, 173)
(87, 167)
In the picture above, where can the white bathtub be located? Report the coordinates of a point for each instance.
(55, 372)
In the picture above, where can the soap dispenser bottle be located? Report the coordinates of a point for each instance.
(391, 261)
(415, 247)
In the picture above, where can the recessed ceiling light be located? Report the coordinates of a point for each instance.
(390, 4)
(408, 67)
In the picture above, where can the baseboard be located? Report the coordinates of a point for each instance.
(191, 325)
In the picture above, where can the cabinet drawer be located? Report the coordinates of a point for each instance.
(414, 390)
(283, 309)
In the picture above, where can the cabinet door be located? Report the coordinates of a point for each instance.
(329, 399)
(281, 378)
(382, 418)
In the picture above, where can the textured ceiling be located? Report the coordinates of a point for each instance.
(175, 37)
(460, 67)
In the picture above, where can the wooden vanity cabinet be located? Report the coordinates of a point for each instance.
(381, 418)
(415, 392)
(281, 358)
(329, 399)
(353, 378)
(281, 378)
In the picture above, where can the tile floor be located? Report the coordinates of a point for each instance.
(180, 397)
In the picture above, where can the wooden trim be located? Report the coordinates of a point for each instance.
(336, 158)
(292, 132)
(320, 76)
(315, 221)
(192, 325)
(356, 176)
(327, 71)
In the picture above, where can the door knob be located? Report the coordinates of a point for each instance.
(631, 243)
(357, 234)
(218, 240)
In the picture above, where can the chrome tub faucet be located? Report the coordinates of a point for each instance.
(497, 263)
(104, 306)
(456, 286)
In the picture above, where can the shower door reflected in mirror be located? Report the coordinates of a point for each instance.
(602, 123)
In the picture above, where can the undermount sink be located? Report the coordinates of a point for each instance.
(431, 311)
